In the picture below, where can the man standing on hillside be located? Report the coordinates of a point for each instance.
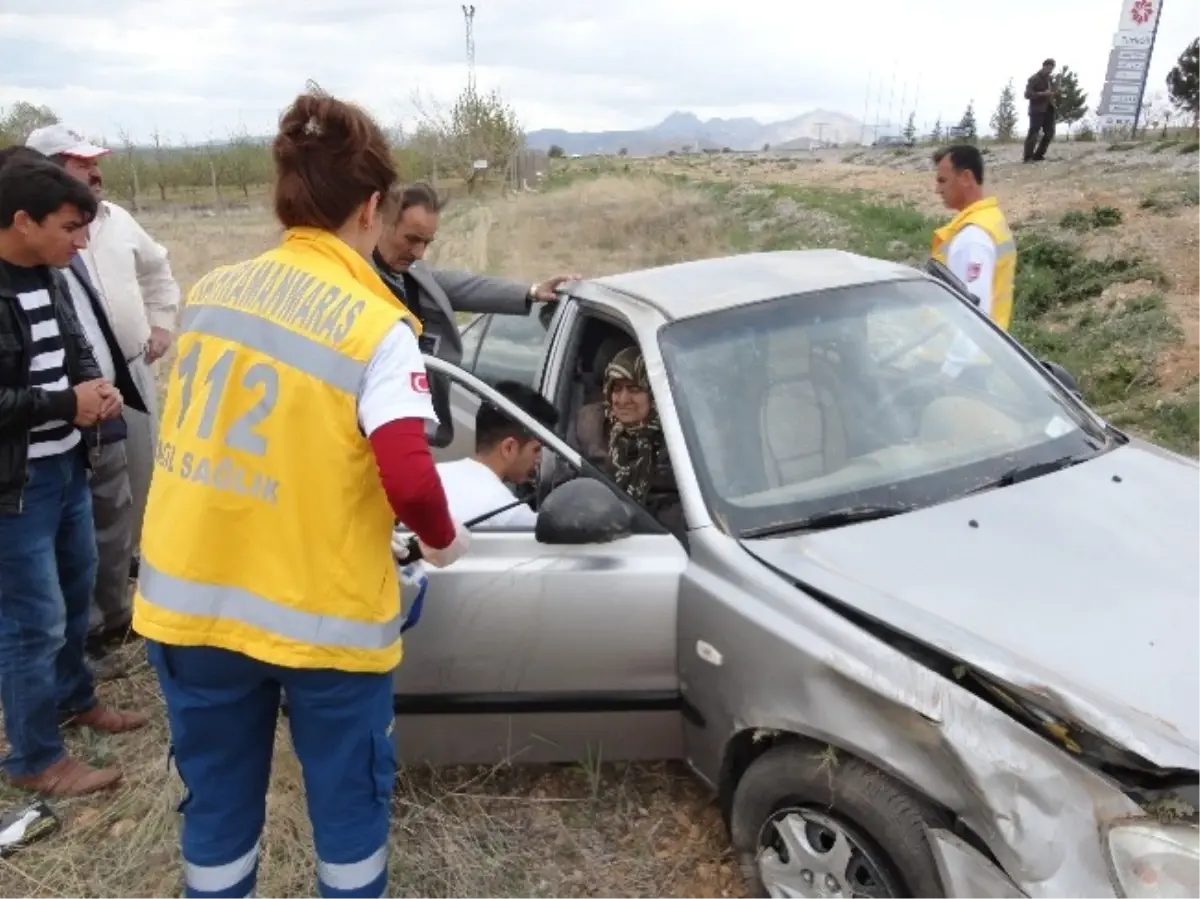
(1039, 91)
(435, 295)
(132, 275)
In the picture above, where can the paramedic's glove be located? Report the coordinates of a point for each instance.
(401, 541)
(440, 558)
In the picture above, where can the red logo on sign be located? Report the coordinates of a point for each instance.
(973, 271)
(420, 382)
(1142, 11)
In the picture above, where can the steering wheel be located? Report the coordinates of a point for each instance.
(889, 401)
(920, 340)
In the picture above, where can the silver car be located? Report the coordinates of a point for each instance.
(931, 628)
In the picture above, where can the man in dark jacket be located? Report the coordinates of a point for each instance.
(50, 387)
(435, 295)
(1039, 91)
(113, 508)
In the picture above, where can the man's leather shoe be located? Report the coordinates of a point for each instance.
(68, 777)
(107, 720)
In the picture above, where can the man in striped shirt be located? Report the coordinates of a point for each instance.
(50, 387)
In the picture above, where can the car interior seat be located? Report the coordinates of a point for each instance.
(802, 427)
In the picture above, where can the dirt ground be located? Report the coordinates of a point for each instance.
(581, 830)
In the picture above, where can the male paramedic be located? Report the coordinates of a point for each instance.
(976, 245)
(292, 437)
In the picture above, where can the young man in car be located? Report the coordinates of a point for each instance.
(506, 455)
(50, 386)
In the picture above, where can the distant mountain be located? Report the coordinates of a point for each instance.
(685, 130)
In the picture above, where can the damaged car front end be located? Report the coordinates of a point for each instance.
(953, 648)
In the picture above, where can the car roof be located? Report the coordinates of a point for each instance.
(686, 289)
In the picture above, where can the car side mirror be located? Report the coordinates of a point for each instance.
(582, 510)
(1063, 376)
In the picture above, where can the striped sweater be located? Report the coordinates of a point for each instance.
(47, 370)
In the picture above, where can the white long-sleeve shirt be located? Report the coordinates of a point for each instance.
(971, 257)
(133, 275)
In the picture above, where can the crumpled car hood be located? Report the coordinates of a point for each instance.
(1080, 588)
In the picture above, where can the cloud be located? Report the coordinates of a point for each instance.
(195, 71)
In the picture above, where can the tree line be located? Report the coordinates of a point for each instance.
(479, 139)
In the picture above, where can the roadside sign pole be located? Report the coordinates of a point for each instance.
(1149, 59)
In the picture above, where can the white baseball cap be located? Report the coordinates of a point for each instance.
(59, 139)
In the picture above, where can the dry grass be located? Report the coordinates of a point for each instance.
(576, 830)
(603, 226)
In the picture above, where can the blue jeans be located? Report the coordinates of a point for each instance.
(47, 572)
(223, 707)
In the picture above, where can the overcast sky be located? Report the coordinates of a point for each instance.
(196, 70)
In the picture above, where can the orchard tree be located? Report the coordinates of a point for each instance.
(245, 162)
(20, 119)
(477, 127)
(1183, 82)
(967, 126)
(556, 152)
(1070, 102)
(1004, 119)
(910, 128)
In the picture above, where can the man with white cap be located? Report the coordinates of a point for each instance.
(132, 274)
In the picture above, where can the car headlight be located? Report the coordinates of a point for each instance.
(1155, 861)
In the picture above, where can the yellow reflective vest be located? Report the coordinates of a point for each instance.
(986, 214)
(267, 529)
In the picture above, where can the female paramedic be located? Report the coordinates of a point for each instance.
(292, 437)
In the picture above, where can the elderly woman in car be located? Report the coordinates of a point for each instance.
(637, 450)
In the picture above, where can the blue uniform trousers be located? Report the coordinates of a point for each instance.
(223, 707)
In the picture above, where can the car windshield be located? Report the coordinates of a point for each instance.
(826, 408)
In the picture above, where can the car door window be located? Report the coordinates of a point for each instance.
(513, 348)
(472, 334)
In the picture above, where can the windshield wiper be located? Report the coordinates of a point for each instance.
(1029, 472)
(834, 519)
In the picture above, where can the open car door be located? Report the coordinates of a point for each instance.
(558, 649)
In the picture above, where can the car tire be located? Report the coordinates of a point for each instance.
(883, 822)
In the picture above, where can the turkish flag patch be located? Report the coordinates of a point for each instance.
(973, 270)
(419, 381)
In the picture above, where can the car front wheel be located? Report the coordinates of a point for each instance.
(811, 823)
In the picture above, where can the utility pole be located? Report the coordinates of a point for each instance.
(892, 98)
(878, 108)
(862, 137)
(469, 16)
(820, 133)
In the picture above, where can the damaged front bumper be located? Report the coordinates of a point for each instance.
(965, 871)
(1147, 858)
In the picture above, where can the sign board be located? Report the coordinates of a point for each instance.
(479, 165)
(1128, 62)
(1138, 17)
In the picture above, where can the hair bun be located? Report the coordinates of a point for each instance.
(330, 148)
